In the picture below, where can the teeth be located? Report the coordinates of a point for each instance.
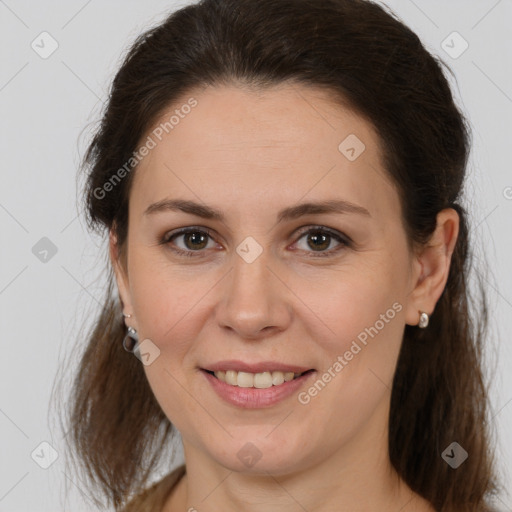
(255, 380)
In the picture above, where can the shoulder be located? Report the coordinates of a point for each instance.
(153, 498)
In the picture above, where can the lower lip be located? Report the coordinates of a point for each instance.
(254, 398)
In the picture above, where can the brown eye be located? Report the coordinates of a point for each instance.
(194, 240)
(319, 240)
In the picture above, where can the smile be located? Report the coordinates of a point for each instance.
(255, 390)
(261, 380)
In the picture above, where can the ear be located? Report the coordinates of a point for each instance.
(431, 266)
(121, 275)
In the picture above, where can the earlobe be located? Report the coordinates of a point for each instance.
(120, 273)
(432, 267)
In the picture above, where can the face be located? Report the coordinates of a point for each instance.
(255, 289)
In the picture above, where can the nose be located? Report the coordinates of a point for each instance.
(256, 303)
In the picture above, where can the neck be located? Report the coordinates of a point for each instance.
(359, 476)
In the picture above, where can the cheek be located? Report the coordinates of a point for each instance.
(359, 337)
(358, 329)
(353, 302)
(165, 302)
(166, 305)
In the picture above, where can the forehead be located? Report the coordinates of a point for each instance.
(236, 146)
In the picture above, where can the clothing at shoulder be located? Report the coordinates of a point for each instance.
(154, 498)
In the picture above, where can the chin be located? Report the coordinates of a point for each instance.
(261, 455)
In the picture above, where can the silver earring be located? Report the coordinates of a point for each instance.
(423, 320)
(131, 340)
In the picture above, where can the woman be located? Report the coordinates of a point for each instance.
(281, 183)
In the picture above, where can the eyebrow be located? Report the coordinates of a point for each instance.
(290, 213)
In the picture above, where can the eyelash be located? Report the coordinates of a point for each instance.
(343, 239)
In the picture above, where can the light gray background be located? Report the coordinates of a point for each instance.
(47, 107)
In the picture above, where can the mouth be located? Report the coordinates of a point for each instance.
(262, 380)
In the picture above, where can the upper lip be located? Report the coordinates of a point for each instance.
(263, 366)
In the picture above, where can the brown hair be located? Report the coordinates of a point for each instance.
(362, 53)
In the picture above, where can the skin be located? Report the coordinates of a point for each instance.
(249, 154)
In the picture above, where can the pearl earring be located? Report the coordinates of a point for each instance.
(423, 320)
(131, 339)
